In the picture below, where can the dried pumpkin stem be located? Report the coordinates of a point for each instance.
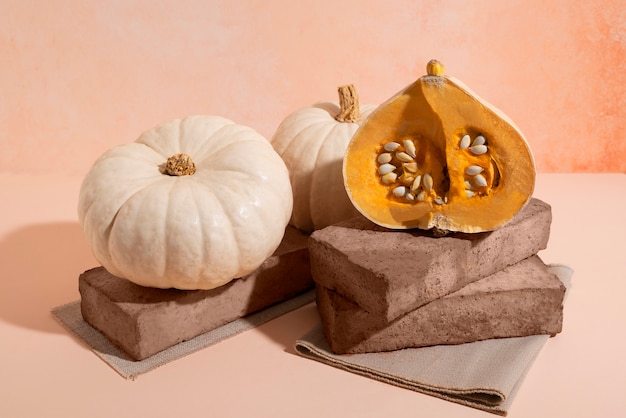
(349, 104)
(180, 164)
(435, 68)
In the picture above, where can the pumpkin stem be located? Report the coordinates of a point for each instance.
(180, 164)
(434, 68)
(349, 104)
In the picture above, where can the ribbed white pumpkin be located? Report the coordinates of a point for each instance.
(196, 231)
(312, 142)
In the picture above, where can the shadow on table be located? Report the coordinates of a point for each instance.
(39, 269)
(287, 329)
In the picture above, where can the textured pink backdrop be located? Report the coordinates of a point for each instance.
(78, 77)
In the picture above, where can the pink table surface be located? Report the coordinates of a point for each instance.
(45, 372)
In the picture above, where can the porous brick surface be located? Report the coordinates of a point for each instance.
(391, 272)
(143, 321)
(520, 300)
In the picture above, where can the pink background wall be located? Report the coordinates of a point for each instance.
(78, 77)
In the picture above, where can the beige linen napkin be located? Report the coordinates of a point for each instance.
(484, 374)
(70, 317)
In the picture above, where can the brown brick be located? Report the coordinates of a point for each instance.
(523, 299)
(392, 272)
(143, 321)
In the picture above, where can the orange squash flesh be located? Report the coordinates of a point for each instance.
(435, 113)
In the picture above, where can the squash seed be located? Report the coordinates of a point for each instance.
(416, 183)
(410, 167)
(480, 181)
(469, 185)
(478, 149)
(404, 157)
(399, 191)
(409, 147)
(383, 158)
(410, 196)
(406, 179)
(386, 168)
(439, 200)
(427, 179)
(389, 178)
(479, 140)
(465, 142)
(421, 196)
(391, 146)
(469, 193)
(472, 170)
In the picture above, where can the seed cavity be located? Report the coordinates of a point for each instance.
(398, 168)
(475, 178)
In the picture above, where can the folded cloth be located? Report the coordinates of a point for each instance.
(485, 374)
(70, 317)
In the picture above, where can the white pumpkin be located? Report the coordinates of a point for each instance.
(194, 231)
(312, 141)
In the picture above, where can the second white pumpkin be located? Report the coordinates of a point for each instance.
(312, 142)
